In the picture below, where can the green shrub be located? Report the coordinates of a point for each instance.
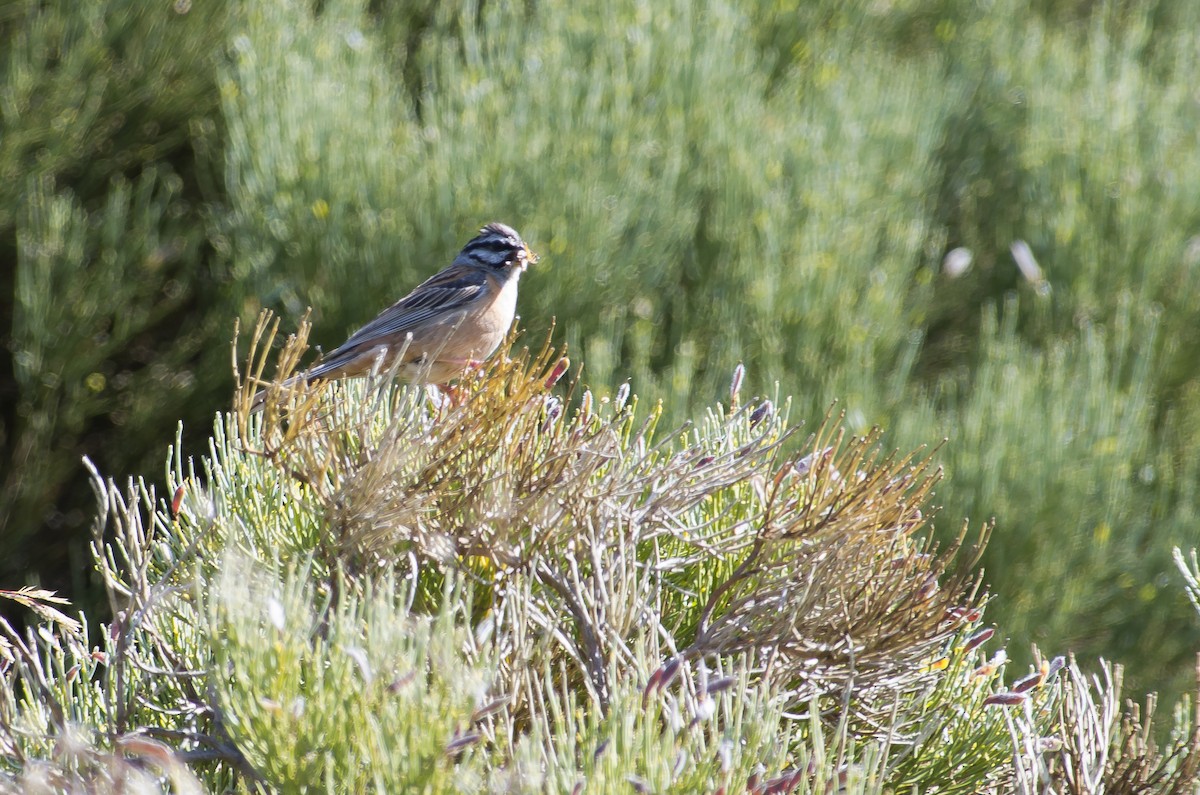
(708, 184)
(1077, 530)
(360, 589)
(108, 123)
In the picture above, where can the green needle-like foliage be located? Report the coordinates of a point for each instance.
(775, 183)
(367, 587)
(587, 513)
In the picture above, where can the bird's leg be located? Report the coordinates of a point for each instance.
(455, 393)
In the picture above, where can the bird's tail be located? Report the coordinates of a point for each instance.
(260, 397)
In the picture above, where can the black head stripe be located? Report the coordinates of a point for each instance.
(496, 245)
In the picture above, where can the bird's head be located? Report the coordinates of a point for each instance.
(498, 246)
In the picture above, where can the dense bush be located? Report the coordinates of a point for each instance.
(363, 590)
(707, 182)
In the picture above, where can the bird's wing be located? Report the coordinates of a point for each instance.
(438, 297)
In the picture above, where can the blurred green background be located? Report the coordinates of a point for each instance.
(708, 183)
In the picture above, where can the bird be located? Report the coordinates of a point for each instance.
(453, 320)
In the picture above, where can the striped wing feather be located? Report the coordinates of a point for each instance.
(438, 297)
